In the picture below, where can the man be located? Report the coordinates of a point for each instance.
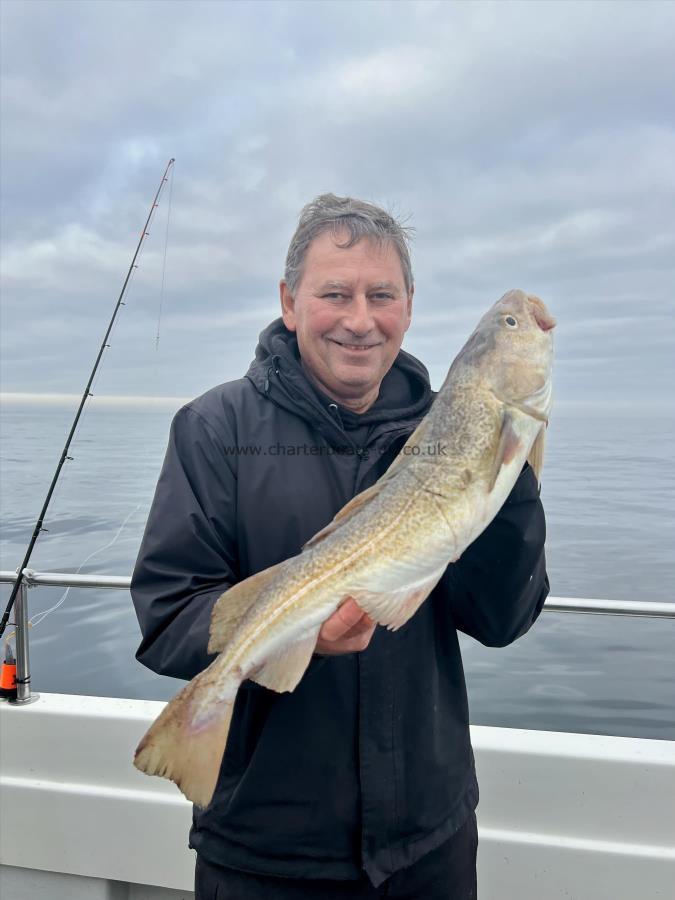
(361, 782)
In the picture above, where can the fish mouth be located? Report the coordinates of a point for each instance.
(542, 316)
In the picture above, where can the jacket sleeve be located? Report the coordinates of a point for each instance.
(188, 554)
(498, 586)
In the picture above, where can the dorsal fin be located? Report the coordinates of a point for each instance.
(365, 497)
(347, 511)
(403, 457)
(233, 605)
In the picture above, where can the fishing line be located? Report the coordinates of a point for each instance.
(67, 473)
(41, 616)
(85, 396)
(85, 418)
(166, 244)
(74, 451)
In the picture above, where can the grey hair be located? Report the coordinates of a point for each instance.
(360, 219)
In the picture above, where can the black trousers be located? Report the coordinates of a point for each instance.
(446, 873)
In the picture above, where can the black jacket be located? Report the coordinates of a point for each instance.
(368, 763)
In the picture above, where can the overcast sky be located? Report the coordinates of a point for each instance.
(531, 145)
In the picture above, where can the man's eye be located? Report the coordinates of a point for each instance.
(334, 295)
(382, 295)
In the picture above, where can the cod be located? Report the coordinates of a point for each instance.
(387, 548)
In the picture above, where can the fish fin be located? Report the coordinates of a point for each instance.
(403, 457)
(347, 511)
(536, 454)
(283, 671)
(365, 497)
(506, 448)
(529, 410)
(232, 606)
(357, 502)
(184, 749)
(395, 608)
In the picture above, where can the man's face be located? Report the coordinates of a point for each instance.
(350, 312)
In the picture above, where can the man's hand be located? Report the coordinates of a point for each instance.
(348, 630)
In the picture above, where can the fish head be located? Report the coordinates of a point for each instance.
(511, 350)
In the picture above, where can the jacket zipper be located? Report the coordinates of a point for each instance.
(275, 370)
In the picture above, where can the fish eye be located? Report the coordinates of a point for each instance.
(511, 321)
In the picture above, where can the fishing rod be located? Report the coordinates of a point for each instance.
(85, 396)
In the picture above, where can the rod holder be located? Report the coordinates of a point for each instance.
(23, 691)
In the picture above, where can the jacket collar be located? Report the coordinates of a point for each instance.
(276, 371)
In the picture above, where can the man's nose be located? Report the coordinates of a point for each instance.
(359, 318)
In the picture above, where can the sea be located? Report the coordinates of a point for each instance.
(608, 492)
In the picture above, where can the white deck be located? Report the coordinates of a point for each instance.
(561, 815)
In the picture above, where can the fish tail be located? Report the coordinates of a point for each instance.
(187, 741)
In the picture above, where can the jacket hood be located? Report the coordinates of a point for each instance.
(405, 392)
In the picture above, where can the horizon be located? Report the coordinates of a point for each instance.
(565, 407)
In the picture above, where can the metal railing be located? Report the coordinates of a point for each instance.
(650, 609)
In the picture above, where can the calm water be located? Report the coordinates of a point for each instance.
(609, 492)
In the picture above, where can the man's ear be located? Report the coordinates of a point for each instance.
(287, 305)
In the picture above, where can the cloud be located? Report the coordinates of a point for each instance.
(532, 145)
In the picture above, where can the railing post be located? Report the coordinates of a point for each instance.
(23, 691)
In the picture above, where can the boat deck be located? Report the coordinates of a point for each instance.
(561, 815)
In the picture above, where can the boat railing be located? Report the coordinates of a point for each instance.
(650, 609)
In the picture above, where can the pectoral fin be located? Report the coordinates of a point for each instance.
(536, 454)
(529, 410)
(507, 446)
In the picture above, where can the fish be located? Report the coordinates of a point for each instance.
(387, 548)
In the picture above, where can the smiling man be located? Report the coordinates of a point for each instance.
(349, 311)
(361, 782)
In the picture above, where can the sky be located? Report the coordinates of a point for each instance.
(530, 145)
